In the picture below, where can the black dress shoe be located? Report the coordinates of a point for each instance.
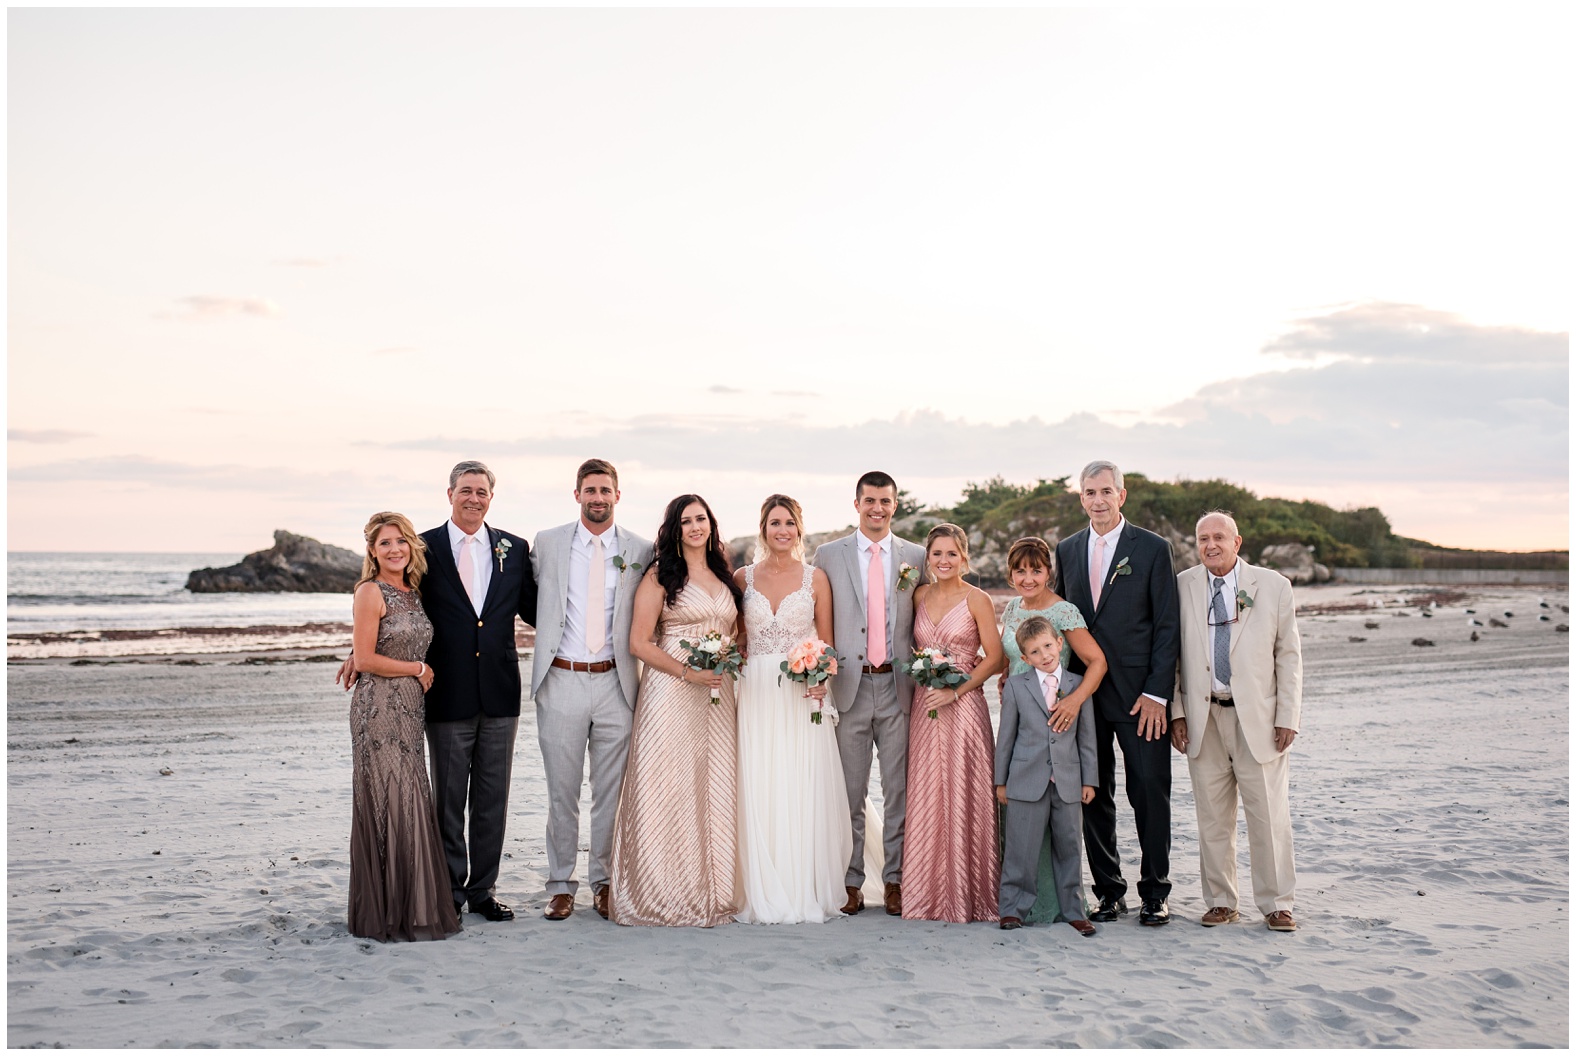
(1154, 913)
(493, 909)
(1110, 909)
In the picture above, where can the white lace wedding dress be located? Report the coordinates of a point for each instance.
(795, 837)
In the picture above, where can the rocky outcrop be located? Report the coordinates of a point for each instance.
(294, 564)
(1295, 562)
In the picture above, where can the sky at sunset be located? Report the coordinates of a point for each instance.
(282, 268)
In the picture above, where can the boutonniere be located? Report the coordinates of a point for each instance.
(1122, 569)
(906, 575)
(501, 551)
(622, 566)
(1243, 601)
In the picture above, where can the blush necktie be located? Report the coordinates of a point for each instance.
(1097, 569)
(1222, 634)
(875, 606)
(596, 615)
(1048, 684)
(468, 547)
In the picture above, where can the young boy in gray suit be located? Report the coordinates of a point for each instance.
(1043, 776)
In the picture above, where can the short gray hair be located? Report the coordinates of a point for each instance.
(471, 467)
(1094, 469)
(1223, 515)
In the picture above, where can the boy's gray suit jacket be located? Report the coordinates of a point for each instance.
(1028, 751)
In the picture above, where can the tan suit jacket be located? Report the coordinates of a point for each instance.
(1266, 658)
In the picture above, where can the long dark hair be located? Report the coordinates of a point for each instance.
(672, 569)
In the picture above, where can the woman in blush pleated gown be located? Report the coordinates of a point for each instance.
(951, 864)
(794, 834)
(399, 879)
(675, 839)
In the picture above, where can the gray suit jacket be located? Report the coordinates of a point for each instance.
(839, 559)
(550, 561)
(1028, 751)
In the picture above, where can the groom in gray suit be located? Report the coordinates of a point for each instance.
(583, 677)
(873, 698)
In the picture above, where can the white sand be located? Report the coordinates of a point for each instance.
(1430, 803)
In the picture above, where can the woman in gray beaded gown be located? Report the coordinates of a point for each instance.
(399, 882)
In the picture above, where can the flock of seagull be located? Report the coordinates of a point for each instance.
(1474, 622)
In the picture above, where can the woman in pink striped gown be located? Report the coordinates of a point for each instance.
(951, 866)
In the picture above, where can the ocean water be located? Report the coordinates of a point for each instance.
(94, 592)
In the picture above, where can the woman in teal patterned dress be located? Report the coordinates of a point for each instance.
(1029, 569)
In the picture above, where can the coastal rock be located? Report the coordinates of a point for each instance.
(1295, 562)
(295, 564)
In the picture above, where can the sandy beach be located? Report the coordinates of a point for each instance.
(206, 905)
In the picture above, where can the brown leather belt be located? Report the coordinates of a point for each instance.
(1224, 702)
(884, 669)
(575, 665)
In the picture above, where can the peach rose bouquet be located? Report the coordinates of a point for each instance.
(811, 662)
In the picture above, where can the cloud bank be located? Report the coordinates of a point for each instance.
(206, 306)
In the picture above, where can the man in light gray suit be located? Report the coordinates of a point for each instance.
(583, 677)
(872, 696)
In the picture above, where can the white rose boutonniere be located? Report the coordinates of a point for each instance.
(501, 551)
(623, 566)
(1243, 600)
(906, 575)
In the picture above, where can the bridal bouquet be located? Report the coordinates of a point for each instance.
(811, 662)
(931, 669)
(714, 652)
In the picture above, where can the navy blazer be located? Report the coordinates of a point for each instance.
(475, 666)
(1137, 624)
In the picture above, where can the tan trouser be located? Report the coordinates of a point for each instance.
(1223, 769)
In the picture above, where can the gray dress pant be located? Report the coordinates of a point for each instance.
(874, 720)
(1020, 860)
(577, 712)
(471, 763)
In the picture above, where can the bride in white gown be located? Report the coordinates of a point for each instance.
(794, 833)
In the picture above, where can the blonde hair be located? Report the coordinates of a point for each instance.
(780, 502)
(417, 566)
(958, 535)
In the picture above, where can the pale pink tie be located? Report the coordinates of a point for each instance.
(596, 615)
(1048, 685)
(1097, 569)
(468, 546)
(875, 607)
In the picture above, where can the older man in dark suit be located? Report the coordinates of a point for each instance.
(1121, 579)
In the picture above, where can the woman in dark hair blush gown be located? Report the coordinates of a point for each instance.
(675, 842)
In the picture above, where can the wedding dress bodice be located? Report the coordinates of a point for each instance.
(794, 621)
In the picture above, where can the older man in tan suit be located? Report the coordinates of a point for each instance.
(1235, 714)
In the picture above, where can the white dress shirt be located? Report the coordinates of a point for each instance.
(482, 555)
(572, 646)
(885, 544)
(1110, 551)
(1229, 596)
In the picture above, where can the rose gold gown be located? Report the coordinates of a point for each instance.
(951, 866)
(399, 880)
(674, 860)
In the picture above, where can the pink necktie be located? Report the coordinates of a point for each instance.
(468, 546)
(1097, 569)
(596, 616)
(1048, 684)
(875, 606)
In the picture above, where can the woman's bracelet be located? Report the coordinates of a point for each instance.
(423, 670)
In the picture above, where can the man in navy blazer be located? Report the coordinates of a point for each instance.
(478, 580)
(1121, 579)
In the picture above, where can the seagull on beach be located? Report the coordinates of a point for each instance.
(1492, 622)
(1544, 618)
(1509, 615)
(1474, 622)
(1471, 612)
(1474, 636)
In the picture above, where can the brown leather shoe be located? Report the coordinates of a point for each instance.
(1281, 920)
(894, 900)
(1011, 923)
(1220, 915)
(600, 899)
(560, 907)
(856, 901)
(1083, 927)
